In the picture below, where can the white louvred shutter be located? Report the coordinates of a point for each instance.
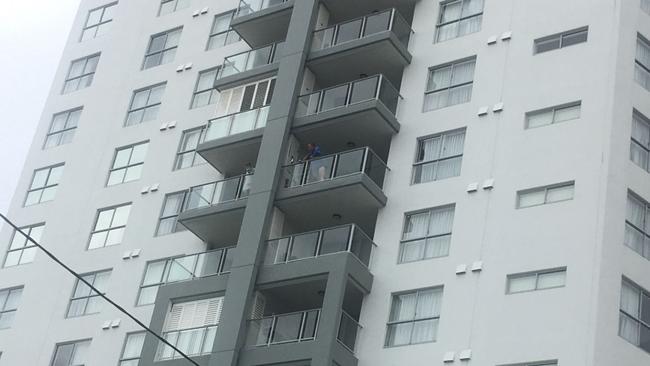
(213, 314)
(259, 303)
(193, 314)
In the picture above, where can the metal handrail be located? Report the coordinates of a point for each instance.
(259, 121)
(319, 96)
(230, 62)
(301, 336)
(193, 272)
(334, 30)
(263, 4)
(367, 152)
(242, 179)
(349, 317)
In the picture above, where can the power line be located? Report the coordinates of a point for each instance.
(118, 307)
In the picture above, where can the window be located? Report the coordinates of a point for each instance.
(109, 226)
(44, 184)
(553, 115)
(170, 6)
(221, 34)
(62, 128)
(132, 349)
(98, 22)
(9, 300)
(645, 6)
(637, 225)
(449, 85)
(81, 73)
(439, 157)
(145, 104)
(168, 270)
(21, 250)
(414, 317)
(246, 97)
(642, 62)
(172, 207)
(84, 300)
(545, 195)
(127, 164)
(561, 40)
(426, 234)
(533, 281)
(634, 323)
(187, 156)
(458, 18)
(204, 91)
(640, 144)
(71, 354)
(191, 327)
(162, 48)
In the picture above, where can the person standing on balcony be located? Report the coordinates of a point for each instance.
(313, 153)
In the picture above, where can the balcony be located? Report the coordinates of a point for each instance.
(199, 265)
(249, 66)
(214, 211)
(349, 329)
(327, 190)
(192, 342)
(299, 326)
(361, 112)
(230, 142)
(372, 44)
(347, 238)
(261, 22)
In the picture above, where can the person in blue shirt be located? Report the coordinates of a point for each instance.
(318, 165)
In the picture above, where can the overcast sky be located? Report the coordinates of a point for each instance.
(32, 37)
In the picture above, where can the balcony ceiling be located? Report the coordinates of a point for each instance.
(342, 10)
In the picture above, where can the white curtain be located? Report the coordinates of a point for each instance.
(643, 53)
(441, 221)
(437, 247)
(635, 212)
(439, 78)
(453, 144)
(428, 306)
(459, 95)
(641, 131)
(629, 329)
(403, 309)
(630, 299)
(633, 239)
(451, 12)
(412, 251)
(645, 5)
(416, 226)
(471, 7)
(447, 31)
(470, 25)
(463, 72)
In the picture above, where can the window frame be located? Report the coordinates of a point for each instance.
(28, 244)
(123, 359)
(212, 90)
(3, 305)
(110, 227)
(553, 110)
(440, 24)
(74, 343)
(227, 32)
(85, 59)
(546, 189)
(176, 8)
(149, 53)
(641, 231)
(403, 241)
(636, 115)
(637, 319)
(128, 165)
(453, 64)
(536, 273)
(389, 323)
(442, 135)
(90, 295)
(131, 109)
(162, 217)
(180, 152)
(65, 129)
(99, 24)
(44, 187)
(560, 36)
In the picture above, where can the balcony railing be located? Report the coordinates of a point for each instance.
(249, 60)
(375, 87)
(349, 330)
(347, 238)
(210, 263)
(236, 123)
(285, 328)
(226, 190)
(387, 20)
(358, 161)
(250, 6)
(192, 342)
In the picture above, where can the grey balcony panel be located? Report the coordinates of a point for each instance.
(245, 77)
(356, 198)
(367, 123)
(145, 361)
(343, 356)
(315, 266)
(264, 26)
(380, 53)
(280, 353)
(345, 9)
(218, 225)
(230, 154)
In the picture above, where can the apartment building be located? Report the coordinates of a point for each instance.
(336, 182)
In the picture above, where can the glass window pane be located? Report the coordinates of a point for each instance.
(114, 237)
(549, 280)
(557, 194)
(424, 331)
(104, 219)
(154, 273)
(630, 299)
(527, 199)
(63, 355)
(629, 329)
(11, 303)
(399, 334)
(139, 152)
(121, 216)
(523, 283)
(547, 45)
(404, 306)
(574, 38)
(97, 240)
(416, 226)
(540, 119)
(439, 78)
(567, 113)
(428, 304)
(133, 346)
(40, 178)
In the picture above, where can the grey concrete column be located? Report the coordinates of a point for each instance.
(330, 316)
(253, 235)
